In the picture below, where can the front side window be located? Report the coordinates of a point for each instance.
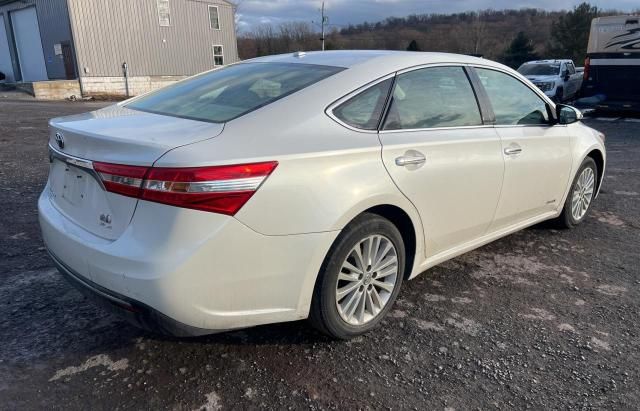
(221, 95)
(164, 13)
(363, 111)
(214, 20)
(218, 56)
(433, 97)
(571, 68)
(513, 102)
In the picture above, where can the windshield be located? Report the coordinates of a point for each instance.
(222, 95)
(539, 69)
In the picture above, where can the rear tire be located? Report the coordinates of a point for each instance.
(356, 287)
(581, 195)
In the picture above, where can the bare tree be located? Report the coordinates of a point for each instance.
(478, 31)
(486, 32)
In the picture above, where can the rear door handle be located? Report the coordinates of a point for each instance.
(411, 158)
(511, 151)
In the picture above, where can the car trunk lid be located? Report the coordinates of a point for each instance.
(114, 135)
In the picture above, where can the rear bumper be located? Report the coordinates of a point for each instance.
(618, 106)
(613, 81)
(135, 312)
(186, 272)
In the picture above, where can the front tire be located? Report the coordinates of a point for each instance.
(360, 278)
(580, 197)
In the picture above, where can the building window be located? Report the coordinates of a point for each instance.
(164, 13)
(218, 56)
(214, 18)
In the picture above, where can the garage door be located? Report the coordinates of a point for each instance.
(27, 36)
(5, 57)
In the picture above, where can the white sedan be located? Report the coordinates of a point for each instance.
(306, 185)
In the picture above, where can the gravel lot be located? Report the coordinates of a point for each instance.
(541, 319)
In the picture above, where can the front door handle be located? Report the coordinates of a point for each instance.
(411, 158)
(512, 151)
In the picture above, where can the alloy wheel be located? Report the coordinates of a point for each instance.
(366, 280)
(583, 193)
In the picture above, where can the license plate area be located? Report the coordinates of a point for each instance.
(74, 188)
(70, 189)
(68, 183)
(81, 198)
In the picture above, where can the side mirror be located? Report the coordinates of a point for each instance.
(567, 114)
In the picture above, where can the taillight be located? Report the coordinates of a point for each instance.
(121, 179)
(587, 63)
(219, 189)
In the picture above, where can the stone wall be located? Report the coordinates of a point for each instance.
(115, 86)
(54, 89)
(95, 86)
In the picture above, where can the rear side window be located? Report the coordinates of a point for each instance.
(433, 97)
(222, 95)
(363, 111)
(513, 102)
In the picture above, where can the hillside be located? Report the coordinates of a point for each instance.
(487, 33)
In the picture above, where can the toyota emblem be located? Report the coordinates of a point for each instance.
(60, 140)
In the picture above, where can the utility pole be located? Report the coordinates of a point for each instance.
(325, 19)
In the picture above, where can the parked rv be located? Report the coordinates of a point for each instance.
(612, 66)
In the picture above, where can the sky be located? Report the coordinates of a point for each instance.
(342, 12)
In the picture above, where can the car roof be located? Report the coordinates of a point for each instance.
(352, 58)
(554, 61)
(621, 19)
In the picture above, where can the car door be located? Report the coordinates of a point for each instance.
(569, 79)
(441, 155)
(575, 78)
(537, 154)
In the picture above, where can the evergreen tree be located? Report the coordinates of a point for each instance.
(570, 33)
(413, 46)
(519, 51)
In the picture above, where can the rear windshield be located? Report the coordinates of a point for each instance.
(222, 95)
(539, 69)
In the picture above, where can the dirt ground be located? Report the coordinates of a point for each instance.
(541, 319)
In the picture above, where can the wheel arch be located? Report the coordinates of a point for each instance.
(559, 96)
(598, 157)
(403, 214)
(403, 223)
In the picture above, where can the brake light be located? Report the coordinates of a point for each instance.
(587, 63)
(218, 189)
(121, 179)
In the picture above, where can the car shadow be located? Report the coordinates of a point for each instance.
(289, 333)
(42, 316)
